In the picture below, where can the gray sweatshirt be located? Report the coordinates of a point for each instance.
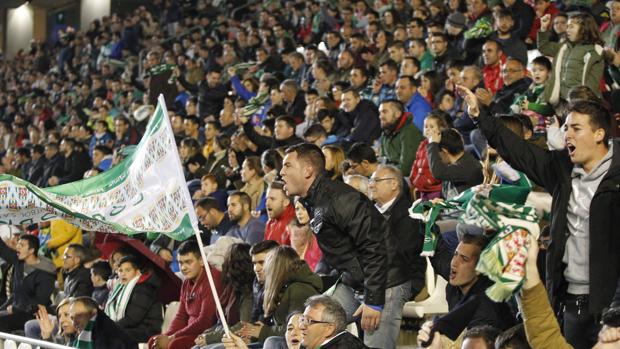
(577, 252)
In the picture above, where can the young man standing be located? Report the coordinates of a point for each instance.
(583, 266)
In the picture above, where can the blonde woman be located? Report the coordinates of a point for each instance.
(334, 157)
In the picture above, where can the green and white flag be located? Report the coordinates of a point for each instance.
(146, 192)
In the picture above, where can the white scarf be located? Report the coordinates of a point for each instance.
(117, 302)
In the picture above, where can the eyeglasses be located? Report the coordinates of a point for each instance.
(373, 180)
(511, 71)
(307, 321)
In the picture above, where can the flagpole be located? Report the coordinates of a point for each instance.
(193, 218)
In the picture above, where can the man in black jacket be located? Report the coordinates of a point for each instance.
(405, 275)
(363, 115)
(54, 166)
(95, 329)
(35, 172)
(210, 91)
(33, 282)
(283, 134)
(349, 230)
(583, 265)
(75, 162)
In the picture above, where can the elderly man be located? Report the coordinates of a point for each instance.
(404, 240)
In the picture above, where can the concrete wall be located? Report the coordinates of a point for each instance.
(93, 9)
(19, 29)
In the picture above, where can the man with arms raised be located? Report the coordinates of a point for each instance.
(583, 266)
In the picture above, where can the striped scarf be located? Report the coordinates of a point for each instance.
(85, 338)
(499, 208)
(118, 300)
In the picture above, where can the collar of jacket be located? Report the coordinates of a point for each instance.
(402, 121)
(314, 189)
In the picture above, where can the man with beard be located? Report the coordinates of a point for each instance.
(399, 135)
(280, 213)
(413, 102)
(512, 44)
(247, 228)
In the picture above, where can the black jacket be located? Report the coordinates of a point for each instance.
(350, 232)
(487, 311)
(35, 172)
(75, 166)
(524, 16)
(297, 108)
(107, 334)
(263, 143)
(78, 283)
(552, 170)
(404, 242)
(32, 285)
(143, 315)
(53, 167)
(210, 99)
(365, 121)
(503, 98)
(345, 340)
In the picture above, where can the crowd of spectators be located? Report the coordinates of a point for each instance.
(306, 129)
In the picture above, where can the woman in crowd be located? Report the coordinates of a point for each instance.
(66, 332)
(252, 177)
(334, 157)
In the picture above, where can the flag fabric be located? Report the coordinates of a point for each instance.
(145, 193)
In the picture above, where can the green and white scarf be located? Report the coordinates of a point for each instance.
(85, 338)
(499, 208)
(117, 302)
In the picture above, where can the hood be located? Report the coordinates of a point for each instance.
(306, 276)
(45, 264)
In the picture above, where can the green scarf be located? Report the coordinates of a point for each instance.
(85, 338)
(500, 208)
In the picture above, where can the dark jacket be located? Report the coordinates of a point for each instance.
(459, 176)
(32, 285)
(399, 141)
(552, 170)
(487, 311)
(297, 108)
(78, 283)
(503, 98)
(263, 143)
(107, 334)
(143, 315)
(524, 16)
(75, 166)
(365, 121)
(404, 241)
(345, 340)
(53, 167)
(210, 99)
(35, 172)
(300, 287)
(349, 230)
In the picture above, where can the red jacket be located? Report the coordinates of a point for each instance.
(551, 10)
(197, 306)
(421, 177)
(492, 76)
(276, 228)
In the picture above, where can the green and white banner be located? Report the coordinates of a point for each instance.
(146, 192)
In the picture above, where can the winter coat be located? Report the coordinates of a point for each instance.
(541, 326)
(365, 121)
(78, 283)
(552, 170)
(421, 177)
(62, 234)
(53, 167)
(399, 141)
(300, 287)
(465, 173)
(506, 95)
(350, 232)
(74, 167)
(107, 334)
(32, 284)
(573, 65)
(143, 315)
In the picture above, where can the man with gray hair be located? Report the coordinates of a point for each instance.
(359, 182)
(323, 325)
(404, 240)
(294, 98)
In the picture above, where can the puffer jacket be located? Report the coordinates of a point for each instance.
(143, 316)
(399, 141)
(421, 177)
(62, 234)
(300, 287)
(78, 283)
(574, 65)
(350, 232)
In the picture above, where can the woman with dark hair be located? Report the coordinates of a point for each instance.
(429, 86)
(288, 283)
(192, 158)
(323, 73)
(252, 177)
(271, 162)
(578, 61)
(236, 298)
(381, 42)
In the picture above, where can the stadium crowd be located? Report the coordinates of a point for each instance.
(306, 130)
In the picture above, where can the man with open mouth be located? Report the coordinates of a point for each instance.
(583, 263)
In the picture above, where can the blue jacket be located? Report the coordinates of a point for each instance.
(419, 107)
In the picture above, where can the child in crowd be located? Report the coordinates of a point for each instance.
(99, 275)
(532, 103)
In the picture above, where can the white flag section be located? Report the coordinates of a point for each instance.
(146, 192)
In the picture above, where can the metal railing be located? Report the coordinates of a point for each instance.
(4, 337)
